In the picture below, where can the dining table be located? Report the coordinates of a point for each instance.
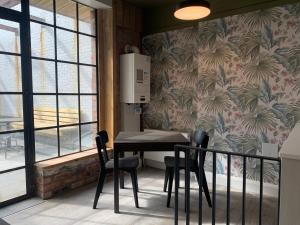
(146, 141)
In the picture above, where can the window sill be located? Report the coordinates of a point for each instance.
(47, 164)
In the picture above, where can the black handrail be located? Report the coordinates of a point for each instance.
(186, 149)
(228, 153)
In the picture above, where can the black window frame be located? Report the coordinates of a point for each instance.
(23, 18)
(57, 94)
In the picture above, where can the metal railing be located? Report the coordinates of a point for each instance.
(186, 150)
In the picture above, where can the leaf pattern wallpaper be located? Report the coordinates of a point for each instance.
(237, 77)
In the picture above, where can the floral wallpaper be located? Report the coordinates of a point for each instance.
(237, 77)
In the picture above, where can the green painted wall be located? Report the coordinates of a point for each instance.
(159, 19)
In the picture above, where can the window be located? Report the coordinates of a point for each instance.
(52, 82)
(64, 71)
(12, 151)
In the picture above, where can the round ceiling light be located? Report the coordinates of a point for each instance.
(192, 10)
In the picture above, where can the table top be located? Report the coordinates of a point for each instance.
(151, 137)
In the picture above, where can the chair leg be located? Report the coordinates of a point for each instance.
(122, 182)
(99, 187)
(167, 174)
(142, 158)
(170, 187)
(206, 191)
(136, 179)
(134, 187)
(205, 187)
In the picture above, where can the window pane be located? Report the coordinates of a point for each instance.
(15, 4)
(11, 150)
(11, 112)
(68, 109)
(88, 110)
(10, 73)
(67, 78)
(43, 74)
(46, 144)
(88, 79)
(87, 46)
(69, 139)
(88, 134)
(42, 41)
(12, 185)
(86, 19)
(66, 46)
(41, 11)
(44, 111)
(66, 14)
(10, 36)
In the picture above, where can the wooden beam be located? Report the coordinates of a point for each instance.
(106, 71)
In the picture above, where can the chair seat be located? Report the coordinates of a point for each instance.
(124, 163)
(170, 162)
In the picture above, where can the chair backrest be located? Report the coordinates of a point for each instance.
(101, 140)
(200, 138)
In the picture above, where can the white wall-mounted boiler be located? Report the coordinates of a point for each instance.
(135, 78)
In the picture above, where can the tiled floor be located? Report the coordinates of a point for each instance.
(75, 208)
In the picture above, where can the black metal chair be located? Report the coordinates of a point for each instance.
(128, 164)
(201, 138)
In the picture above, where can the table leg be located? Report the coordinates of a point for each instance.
(122, 186)
(187, 186)
(116, 179)
(176, 183)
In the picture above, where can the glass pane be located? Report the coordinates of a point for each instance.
(88, 106)
(88, 134)
(66, 46)
(66, 14)
(10, 73)
(12, 185)
(11, 151)
(68, 109)
(41, 11)
(46, 144)
(86, 19)
(11, 112)
(44, 111)
(88, 79)
(87, 49)
(10, 36)
(11, 4)
(69, 139)
(43, 74)
(67, 78)
(42, 41)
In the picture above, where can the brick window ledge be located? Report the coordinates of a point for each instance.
(64, 173)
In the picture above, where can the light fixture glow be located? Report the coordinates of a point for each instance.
(192, 10)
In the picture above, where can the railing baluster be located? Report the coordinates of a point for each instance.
(187, 186)
(200, 185)
(279, 186)
(214, 183)
(244, 190)
(261, 189)
(176, 183)
(228, 187)
(213, 219)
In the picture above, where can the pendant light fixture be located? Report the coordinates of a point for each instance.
(192, 10)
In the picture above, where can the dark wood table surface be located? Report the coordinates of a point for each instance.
(151, 141)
